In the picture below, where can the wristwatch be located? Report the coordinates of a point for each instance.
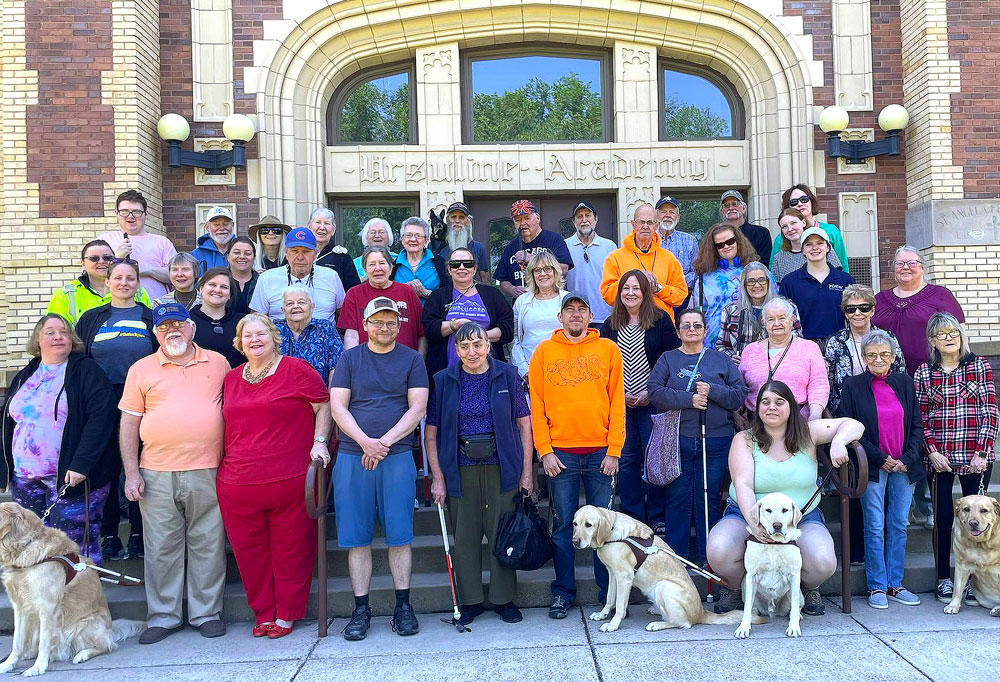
(320, 439)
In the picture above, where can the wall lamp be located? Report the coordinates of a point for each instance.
(892, 119)
(238, 129)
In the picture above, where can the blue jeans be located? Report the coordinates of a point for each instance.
(886, 503)
(631, 489)
(685, 498)
(564, 491)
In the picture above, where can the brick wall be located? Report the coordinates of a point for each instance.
(973, 35)
(972, 276)
(70, 131)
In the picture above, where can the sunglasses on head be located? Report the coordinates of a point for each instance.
(729, 242)
(97, 259)
(270, 230)
(456, 264)
(862, 307)
(795, 201)
(116, 261)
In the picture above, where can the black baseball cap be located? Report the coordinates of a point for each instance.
(575, 296)
(584, 204)
(458, 206)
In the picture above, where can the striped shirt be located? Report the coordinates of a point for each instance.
(631, 342)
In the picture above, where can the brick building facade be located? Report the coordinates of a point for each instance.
(83, 84)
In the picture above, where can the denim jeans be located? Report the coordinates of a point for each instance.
(564, 493)
(685, 499)
(886, 505)
(631, 489)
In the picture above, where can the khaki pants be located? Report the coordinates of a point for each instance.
(181, 519)
(473, 515)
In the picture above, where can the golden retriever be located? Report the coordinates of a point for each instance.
(773, 571)
(661, 577)
(975, 544)
(53, 620)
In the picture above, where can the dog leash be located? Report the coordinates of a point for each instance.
(59, 496)
(819, 490)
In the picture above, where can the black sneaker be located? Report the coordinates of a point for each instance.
(728, 600)
(404, 621)
(560, 607)
(945, 591)
(813, 605)
(469, 612)
(357, 628)
(112, 548)
(135, 547)
(508, 613)
(969, 597)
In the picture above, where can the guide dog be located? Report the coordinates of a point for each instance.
(975, 544)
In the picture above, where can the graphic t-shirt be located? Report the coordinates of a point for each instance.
(121, 340)
(407, 302)
(469, 308)
(508, 270)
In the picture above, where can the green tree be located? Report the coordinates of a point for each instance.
(353, 218)
(568, 109)
(687, 120)
(376, 114)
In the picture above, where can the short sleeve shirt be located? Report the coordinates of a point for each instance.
(379, 383)
(510, 271)
(324, 286)
(121, 340)
(151, 251)
(407, 301)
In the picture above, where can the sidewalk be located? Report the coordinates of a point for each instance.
(902, 643)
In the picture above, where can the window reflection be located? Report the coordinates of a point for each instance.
(377, 110)
(694, 107)
(354, 216)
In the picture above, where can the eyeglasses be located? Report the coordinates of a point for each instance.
(757, 281)
(795, 201)
(907, 263)
(862, 307)
(130, 214)
(456, 264)
(116, 261)
(377, 233)
(697, 326)
(171, 324)
(382, 324)
(731, 204)
(545, 270)
(729, 242)
(413, 235)
(270, 230)
(97, 259)
(946, 335)
(885, 356)
(646, 223)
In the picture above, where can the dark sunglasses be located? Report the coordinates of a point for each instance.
(863, 307)
(270, 230)
(97, 259)
(116, 261)
(798, 200)
(721, 245)
(586, 256)
(456, 264)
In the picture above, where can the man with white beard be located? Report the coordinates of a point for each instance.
(175, 395)
(588, 250)
(683, 245)
(213, 246)
(459, 236)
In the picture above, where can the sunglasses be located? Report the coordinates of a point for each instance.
(721, 245)
(756, 281)
(798, 200)
(270, 230)
(863, 307)
(456, 264)
(97, 259)
(116, 261)
(172, 324)
(697, 326)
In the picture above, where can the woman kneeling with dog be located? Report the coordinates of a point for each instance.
(777, 454)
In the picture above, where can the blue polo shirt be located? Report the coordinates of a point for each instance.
(818, 302)
(425, 272)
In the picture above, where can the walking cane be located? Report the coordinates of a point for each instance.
(704, 482)
(456, 613)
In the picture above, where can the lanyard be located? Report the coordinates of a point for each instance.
(694, 370)
(772, 370)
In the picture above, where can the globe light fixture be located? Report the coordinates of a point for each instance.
(238, 129)
(834, 120)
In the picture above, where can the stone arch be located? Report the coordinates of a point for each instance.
(318, 44)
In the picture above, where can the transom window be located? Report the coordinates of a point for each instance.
(562, 96)
(697, 104)
(375, 108)
(352, 216)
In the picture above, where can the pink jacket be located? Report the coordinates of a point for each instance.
(803, 370)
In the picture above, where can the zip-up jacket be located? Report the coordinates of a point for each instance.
(76, 297)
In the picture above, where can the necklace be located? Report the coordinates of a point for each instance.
(252, 378)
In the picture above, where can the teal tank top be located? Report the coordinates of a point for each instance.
(795, 477)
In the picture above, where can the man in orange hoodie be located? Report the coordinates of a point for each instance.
(641, 250)
(578, 421)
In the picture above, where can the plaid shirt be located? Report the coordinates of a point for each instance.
(959, 411)
(740, 328)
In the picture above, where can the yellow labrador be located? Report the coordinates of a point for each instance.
(975, 544)
(660, 577)
(53, 620)
(773, 571)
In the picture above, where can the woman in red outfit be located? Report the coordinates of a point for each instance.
(277, 419)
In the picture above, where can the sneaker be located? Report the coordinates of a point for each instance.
(112, 548)
(135, 549)
(560, 607)
(357, 628)
(945, 591)
(728, 600)
(813, 604)
(877, 600)
(508, 613)
(929, 523)
(404, 621)
(903, 596)
(469, 612)
(969, 596)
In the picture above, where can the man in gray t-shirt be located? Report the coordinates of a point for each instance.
(378, 396)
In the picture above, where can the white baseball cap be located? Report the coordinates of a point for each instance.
(219, 212)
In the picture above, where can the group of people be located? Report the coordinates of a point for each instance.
(202, 384)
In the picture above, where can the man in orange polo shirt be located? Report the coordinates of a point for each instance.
(173, 401)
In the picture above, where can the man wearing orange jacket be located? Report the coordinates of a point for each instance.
(578, 421)
(641, 250)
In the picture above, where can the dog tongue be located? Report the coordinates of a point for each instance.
(975, 532)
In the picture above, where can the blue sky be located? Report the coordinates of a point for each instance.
(502, 75)
(697, 91)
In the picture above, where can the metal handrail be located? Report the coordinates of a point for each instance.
(317, 497)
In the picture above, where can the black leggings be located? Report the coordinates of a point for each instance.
(944, 513)
(112, 505)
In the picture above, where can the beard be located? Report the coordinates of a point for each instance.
(222, 241)
(586, 231)
(667, 225)
(459, 239)
(175, 348)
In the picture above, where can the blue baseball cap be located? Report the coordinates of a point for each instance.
(667, 200)
(300, 236)
(584, 205)
(169, 311)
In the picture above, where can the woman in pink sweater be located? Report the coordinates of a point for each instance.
(781, 357)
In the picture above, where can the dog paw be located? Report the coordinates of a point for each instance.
(610, 627)
(600, 615)
(35, 670)
(742, 632)
(84, 655)
(952, 608)
(7, 666)
(793, 631)
(995, 612)
(653, 611)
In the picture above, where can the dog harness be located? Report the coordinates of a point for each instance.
(751, 538)
(69, 563)
(642, 548)
(73, 565)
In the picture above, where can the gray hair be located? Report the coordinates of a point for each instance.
(185, 257)
(865, 293)
(911, 249)
(296, 289)
(938, 322)
(744, 302)
(369, 250)
(416, 220)
(470, 331)
(373, 222)
(322, 212)
(779, 302)
(878, 337)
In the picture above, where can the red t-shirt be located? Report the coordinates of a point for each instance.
(358, 296)
(270, 425)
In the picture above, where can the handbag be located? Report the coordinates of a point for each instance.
(478, 446)
(663, 454)
(522, 541)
